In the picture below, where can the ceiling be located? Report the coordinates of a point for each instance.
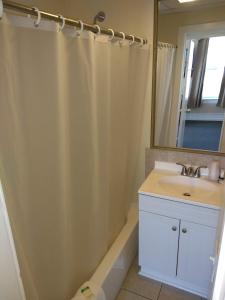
(171, 6)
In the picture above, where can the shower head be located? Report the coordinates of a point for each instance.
(100, 17)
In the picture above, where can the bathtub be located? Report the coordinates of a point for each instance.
(114, 266)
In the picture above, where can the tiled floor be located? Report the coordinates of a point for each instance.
(136, 287)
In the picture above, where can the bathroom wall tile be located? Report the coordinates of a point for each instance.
(171, 293)
(173, 156)
(126, 295)
(140, 285)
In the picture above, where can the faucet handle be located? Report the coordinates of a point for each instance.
(184, 171)
(190, 172)
(197, 173)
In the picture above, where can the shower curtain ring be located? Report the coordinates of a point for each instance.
(142, 42)
(113, 34)
(98, 28)
(133, 40)
(98, 31)
(61, 26)
(38, 21)
(1, 9)
(81, 28)
(123, 38)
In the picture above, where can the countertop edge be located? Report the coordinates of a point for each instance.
(180, 200)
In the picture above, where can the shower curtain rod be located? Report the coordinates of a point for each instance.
(47, 15)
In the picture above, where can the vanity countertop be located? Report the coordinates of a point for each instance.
(172, 186)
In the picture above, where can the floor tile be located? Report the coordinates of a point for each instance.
(171, 293)
(140, 285)
(125, 295)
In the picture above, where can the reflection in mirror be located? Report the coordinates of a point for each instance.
(190, 80)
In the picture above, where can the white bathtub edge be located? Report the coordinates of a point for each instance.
(113, 268)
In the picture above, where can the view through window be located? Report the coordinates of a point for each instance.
(214, 68)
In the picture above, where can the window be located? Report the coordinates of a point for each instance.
(189, 68)
(214, 68)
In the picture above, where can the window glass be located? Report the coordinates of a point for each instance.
(214, 68)
(189, 69)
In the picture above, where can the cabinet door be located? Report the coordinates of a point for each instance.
(197, 244)
(158, 243)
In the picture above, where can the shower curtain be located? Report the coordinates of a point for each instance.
(164, 93)
(71, 123)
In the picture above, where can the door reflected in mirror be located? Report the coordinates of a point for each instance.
(190, 78)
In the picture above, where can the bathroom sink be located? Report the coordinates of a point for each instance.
(187, 186)
(173, 186)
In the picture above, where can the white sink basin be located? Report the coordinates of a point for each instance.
(187, 186)
(171, 185)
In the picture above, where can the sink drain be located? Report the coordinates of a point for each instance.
(187, 194)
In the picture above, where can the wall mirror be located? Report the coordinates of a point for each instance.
(189, 96)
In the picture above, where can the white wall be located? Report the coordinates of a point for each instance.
(55, 6)
(131, 16)
(10, 281)
(169, 24)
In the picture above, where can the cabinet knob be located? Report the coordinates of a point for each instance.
(174, 228)
(184, 230)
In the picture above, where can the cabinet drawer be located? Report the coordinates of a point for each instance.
(179, 210)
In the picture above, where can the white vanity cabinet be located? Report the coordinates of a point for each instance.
(176, 241)
(196, 246)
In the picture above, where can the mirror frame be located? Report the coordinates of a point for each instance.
(153, 100)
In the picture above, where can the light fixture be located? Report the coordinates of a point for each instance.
(184, 1)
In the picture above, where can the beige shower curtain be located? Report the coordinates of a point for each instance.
(71, 122)
(166, 56)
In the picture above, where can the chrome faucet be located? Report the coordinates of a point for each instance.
(197, 173)
(184, 171)
(190, 172)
